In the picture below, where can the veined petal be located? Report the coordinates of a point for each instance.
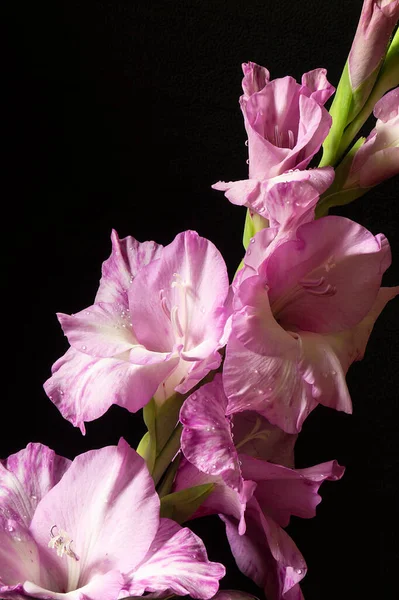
(190, 284)
(327, 279)
(106, 502)
(176, 561)
(118, 271)
(83, 387)
(271, 386)
(255, 78)
(282, 492)
(266, 554)
(206, 439)
(317, 83)
(102, 330)
(27, 476)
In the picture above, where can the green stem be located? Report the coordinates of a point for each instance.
(167, 454)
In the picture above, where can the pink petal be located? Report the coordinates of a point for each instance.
(19, 555)
(314, 125)
(206, 439)
(223, 499)
(271, 386)
(177, 562)
(189, 281)
(328, 278)
(245, 192)
(387, 108)
(255, 78)
(266, 554)
(381, 165)
(127, 258)
(256, 437)
(283, 492)
(26, 477)
(289, 199)
(106, 502)
(350, 345)
(316, 81)
(106, 587)
(83, 387)
(102, 330)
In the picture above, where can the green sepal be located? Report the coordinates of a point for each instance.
(166, 418)
(147, 447)
(249, 230)
(180, 506)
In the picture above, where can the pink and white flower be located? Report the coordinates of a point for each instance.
(309, 295)
(254, 497)
(156, 327)
(91, 528)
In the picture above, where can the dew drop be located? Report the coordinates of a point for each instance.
(246, 142)
(248, 252)
(247, 161)
(84, 347)
(262, 209)
(252, 240)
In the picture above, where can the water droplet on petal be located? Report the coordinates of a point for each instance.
(247, 161)
(246, 142)
(252, 240)
(84, 347)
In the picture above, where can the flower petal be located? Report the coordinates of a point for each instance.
(106, 502)
(283, 492)
(190, 283)
(102, 330)
(26, 477)
(127, 258)
(106, 587)
(327, 279)
(206, 439)
(177, 562)
(266, 554)
(316, 81)
(256, 437)
(83, 388)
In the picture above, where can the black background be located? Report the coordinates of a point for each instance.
(121, 115)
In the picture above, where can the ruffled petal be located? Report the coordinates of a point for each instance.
(102, 330)
(266, 554)
(26, 477)
(180, 296)
(176, 561)
(118, 271)
(283, 492)
(83, 388)
(255, 78)
(106, 502)
(317, 83)
(327, 279)
(206, 439)
(272, 386)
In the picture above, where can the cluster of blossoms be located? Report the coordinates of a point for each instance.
(225, 373)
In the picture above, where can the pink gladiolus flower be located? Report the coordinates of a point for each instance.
(286, 124)
(156, 327)
(378, 158)
(254, 498)
(91, 528)
(377, 21)
(307, 296)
